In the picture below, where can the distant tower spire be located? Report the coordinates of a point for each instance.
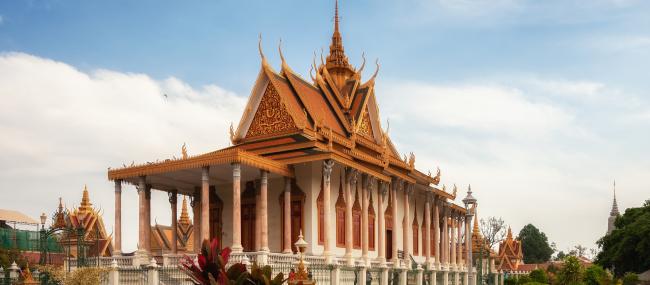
(614, 211)
(613, 214)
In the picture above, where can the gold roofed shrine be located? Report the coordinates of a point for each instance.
(308, 155)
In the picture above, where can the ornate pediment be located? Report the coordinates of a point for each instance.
(271, 117)
(365, 127)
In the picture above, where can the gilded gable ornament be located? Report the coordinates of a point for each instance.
(271, 117)
(364, 125)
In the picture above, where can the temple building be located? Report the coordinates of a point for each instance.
(86, 223)
(510, 253)
(310, 156)
(164, 238)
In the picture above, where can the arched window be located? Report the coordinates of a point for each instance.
(371, 223)
(321, 213)
(356, 221)
(340, 218)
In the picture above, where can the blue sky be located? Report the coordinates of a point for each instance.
(542, 102)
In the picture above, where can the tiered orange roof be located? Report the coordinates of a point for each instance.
(510, 253)
(88, 218)
(162, 235)
(290, 120)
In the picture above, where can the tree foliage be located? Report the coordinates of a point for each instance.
(539, 276)
(630, 279)
(627, 248)
(493, 230)
(571, 272)
(596, 275)
(535, 246)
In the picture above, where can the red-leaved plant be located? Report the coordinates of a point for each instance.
(210, 269)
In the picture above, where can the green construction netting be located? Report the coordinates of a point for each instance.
(26, 240)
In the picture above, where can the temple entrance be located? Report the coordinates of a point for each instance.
(248, 205)
(216, 216)
(297, 221)
(389, 244)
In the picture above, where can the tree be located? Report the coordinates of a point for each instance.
(493, 230)
(535, 245)
(539, 276)
(627, 247)
(579, 251)
(571, 272)
(596, 275)
(630, 279)
(560, 256)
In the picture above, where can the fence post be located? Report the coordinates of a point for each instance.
(13, 271)
(383, 278)
(113, 274)
(335, 274)
(362, 273)
(152, 272)
(403, 276)
(420, 276)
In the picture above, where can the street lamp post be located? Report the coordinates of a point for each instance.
(43, 239)
(470, 203)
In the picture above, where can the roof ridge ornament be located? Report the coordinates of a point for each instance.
(259, 47)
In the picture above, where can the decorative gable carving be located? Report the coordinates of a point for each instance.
(365, 128)
(272, 116)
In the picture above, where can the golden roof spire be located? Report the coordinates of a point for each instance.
(337, 58)
(185, 218)
(509, 233)
(85, 206)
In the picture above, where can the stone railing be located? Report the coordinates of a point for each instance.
(134, 269)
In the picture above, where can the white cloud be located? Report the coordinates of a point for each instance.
(62, 128)
(484, 108)
(531, 156)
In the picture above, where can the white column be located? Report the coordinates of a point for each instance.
(427, 229)
(195, 202)
(452, 241)
(436, 230)
(327, 209)
(205, 203)
(407, 189)
(147, 220)
(142, 216)
(287, 216)
(459, 241)
(263, 208)
(173, 202)
(257, 243)
(118, 217)
(395, 223)
(236, 208)
(364, 216)
(350, 183)
(381, 233)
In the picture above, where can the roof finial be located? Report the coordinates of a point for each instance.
(336, 16)
(259, 47)
(337, 58)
